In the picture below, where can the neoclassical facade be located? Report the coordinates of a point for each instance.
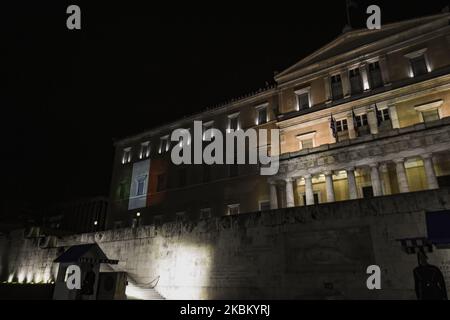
(365, 116)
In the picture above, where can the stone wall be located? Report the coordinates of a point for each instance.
(318, 252)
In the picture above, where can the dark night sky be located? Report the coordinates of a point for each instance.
(130, 68)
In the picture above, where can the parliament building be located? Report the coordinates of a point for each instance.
(367, 115)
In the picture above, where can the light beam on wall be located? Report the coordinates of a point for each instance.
(183, 274)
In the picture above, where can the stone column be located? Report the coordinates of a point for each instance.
(351, 126)
(327, 84)
(289, 193)
(329, 186)
(401, 175)
(372, 120)
(394, 117)
(386, 181)
(429, 171)
(273, 195)
(364, 77)
(352, 191)
(309, 190)
(384, 71)
(346, 90)
(376, 181)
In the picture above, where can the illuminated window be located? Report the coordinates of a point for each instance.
(303, 99)
(356, 85)
(361, 120)
(233, 209)
(164, 144)
(233, 122)
(126, 155)
(262, 114)
(375, 77)
(205, 213)
(418, 63)
(341, 125)
(419, 66)
(336, 87)
(145, 150)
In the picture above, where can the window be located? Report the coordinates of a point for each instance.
(208, 135)
(126, 155)
(307, 144)
(161, 182)
(361, 120)
(429, 111)
(355, 81)
(233, 209)
(233, 122)
(341, 125)
(418, 65)
(303, 99)
(164, 144)
(383, 115)
(264, 205)
(262, 115)
(430, 115)
(316, 198)
(141, 185)
(375, 77)
(306, 140)
(145, 150)
(336, 87)
(205, 213)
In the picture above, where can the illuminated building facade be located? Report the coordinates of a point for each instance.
(364, 116)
